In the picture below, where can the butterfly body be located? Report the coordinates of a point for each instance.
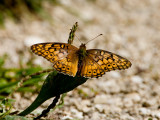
(70, 60)
(82, 51)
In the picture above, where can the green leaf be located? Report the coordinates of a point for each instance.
(55, 84)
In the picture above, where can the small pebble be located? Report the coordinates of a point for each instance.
(137, 79)
(101, 99)
(144, 111)
(67, 118)
(99, 107)
(77, 114)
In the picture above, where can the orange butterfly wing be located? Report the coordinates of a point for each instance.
(97, 62)
(62, 55)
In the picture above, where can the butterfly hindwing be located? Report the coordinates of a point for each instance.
(62, 56)
(68, 65)
(90, 68)
(97, 62)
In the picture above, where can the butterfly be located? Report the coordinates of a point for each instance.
(73, 61)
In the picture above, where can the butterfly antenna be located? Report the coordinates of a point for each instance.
(78, 39)
(93, 38)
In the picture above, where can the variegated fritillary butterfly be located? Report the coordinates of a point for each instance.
(70, 60)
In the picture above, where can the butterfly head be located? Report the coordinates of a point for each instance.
(82, 46)
(82, 50)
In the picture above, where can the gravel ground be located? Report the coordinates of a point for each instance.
(130, 29)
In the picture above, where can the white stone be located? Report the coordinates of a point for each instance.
(135, 97)
(127, 117)
(83, 105)
(137, 79)
(95, 116)
(37, 111)
(128, 102)
(101, 99)
(99, 107)
(144, 111)
(77, 114)
(156, 114)
(66, 118)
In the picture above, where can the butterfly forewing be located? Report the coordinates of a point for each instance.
(97, 62)
(62, 55)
